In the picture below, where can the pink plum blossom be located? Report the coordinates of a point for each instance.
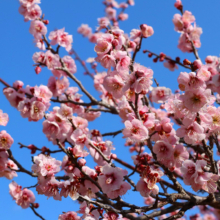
(85, 30)
(164, 151)
(46, 165)
(180, 154)
(193, 133)
(38, 29)
(69, 215)
(160, 94)
(142, 187)
(146, 30)
(114, 84)
(9, 171)
(22, 197)
(49, 187)
(5, 140)
(135, 130)
(195, 99)
(3, 118)
(62, 38)
(171, 65)
(25, 198)
(32, 12)
(37, 110)
(58, 86)
(112, 178)
(102, 47)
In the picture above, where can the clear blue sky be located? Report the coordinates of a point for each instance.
(17, 48)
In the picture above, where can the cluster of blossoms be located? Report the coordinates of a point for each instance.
(111, 7)
(126, 89)
(190, 34)
(32, 102)
(23, 197)
(7, 167)
(196, 175)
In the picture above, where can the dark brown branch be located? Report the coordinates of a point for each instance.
(169, 59)
(82, 63)
(112, 133)
(38, 215)
(21, 168)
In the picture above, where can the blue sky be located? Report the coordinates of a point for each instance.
(16, 63)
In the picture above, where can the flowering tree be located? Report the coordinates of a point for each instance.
(174, 135)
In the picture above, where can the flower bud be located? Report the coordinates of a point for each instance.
(197, 64)
(146, 30)
(186, 62)
(167, 127)
(37, 70)
(36, 205)
(113, 156)
(81, 162)
(46, 22)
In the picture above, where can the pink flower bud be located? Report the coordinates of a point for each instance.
(37, 70)
(178, 59)
(146, 31)
(36, 205)
(32, 148)
(158, 127)
(178, 5)
(81, 162)
(162, 106)
(186, 62)
(113, 156)
(46, 22)
(167, 127)
(197, 64)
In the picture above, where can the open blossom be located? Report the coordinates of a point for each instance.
(192, 134)
(135, 130)
(37, 110)
(49, 187)
(140, 78)
(171, 65)
(38, 29)
(180, 154)
(32, 12)
(192, 34)
(70, 64)
(189, 81)
(85, 30)
(123, 60)
(103, 22)
(195, 99)
(183, 21)
(160, 94)
(103, 46)
(62, 38)
(3, 118)
(5, 140)
(69, 216)
(9, 170)
(114, 84)
(146, 30)
(163, 150)
(28, 3)
(46, 165)
(22, 197)
(142, 187)
(112, 179)
(25, 198)
(203, 73)
(58, 86)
